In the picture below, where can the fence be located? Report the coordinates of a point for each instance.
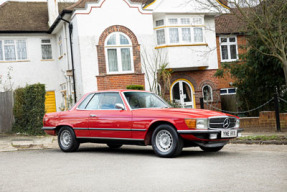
(6, 111)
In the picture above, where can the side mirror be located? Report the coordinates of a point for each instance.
(120, 106)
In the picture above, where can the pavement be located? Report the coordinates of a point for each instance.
(14, 142)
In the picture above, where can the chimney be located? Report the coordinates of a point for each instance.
(53, 11)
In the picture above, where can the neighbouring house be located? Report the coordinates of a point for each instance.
(231, 43)
(78, 47)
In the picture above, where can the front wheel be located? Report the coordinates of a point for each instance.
(166, 142)
(211, 149)
(67, 140)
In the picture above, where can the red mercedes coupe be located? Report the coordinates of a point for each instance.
(118, 117)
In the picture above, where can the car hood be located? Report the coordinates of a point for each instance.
(181, 112)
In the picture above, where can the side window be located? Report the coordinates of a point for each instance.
(105, 101)
(85, 102)
(110, 100)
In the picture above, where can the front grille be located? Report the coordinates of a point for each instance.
(222, 122)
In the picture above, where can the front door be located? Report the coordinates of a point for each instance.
(182, 94)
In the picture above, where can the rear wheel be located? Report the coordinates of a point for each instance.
(67, 140)
(211, 149)
(166, 142)
(114, 146)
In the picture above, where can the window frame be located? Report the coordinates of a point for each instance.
(16, 49)
(227, 91)
(47, 44)
(228, 44)
(118, 48)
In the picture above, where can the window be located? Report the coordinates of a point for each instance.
(228, 48)
(207, 93)
(118, 53)
(60, 46)
(160, 37)
(46, 49)
(103, 101)
(184, 30)
(13, 50)
(159, 23)
(228, 91)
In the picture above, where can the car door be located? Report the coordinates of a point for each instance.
(106, 120)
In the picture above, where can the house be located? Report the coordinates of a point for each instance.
(77, 47)
(231, 43)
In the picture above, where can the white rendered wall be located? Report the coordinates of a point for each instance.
(34, 70)
(90, 24)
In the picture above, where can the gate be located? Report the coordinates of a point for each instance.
(6, 111)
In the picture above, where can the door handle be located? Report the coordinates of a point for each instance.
(93, 115)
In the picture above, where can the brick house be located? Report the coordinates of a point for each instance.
(231, 42)
(77, 47)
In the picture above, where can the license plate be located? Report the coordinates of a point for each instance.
(228, 133)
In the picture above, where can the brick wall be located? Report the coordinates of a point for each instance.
(265, 122)
(119, 81)
(199, 78)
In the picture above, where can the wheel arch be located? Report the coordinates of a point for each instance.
(152, 127)
(58, 127)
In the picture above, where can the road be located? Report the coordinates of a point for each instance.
(133, 168)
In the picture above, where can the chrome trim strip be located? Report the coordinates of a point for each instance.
(109, 129)
(111, 138)
(48, 128)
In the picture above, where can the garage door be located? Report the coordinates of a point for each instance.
(50, 102)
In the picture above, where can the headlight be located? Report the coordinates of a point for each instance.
(196, 123)
(237, 123)
(201, 124)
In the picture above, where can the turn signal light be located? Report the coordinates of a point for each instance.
(191, 123)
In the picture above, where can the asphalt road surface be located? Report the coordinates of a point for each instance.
(132, 168)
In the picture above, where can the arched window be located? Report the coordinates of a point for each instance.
(207, 93)
(119, 57)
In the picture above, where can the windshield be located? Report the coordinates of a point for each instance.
(139, 100)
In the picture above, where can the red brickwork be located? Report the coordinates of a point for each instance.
(241, 43)
(198, 79)
(106, 81)
(265, 122)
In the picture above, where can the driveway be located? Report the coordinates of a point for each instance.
(238, 167)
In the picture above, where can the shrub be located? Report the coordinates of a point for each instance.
(29, 109)
(135, 87)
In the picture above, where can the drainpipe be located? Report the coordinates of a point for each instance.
(72, 57)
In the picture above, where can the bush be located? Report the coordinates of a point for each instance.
(29, 109)
(135, 87)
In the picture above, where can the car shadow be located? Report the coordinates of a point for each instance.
(147, 151)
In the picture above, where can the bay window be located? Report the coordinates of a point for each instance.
(13, 50)
(119, 53)
(185, 30)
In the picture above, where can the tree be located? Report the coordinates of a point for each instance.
(267, 19)
(256, 77)
(155, 66)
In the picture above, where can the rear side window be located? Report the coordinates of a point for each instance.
(85, 102)
(104, 101)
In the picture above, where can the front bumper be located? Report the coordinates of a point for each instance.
(205, 131)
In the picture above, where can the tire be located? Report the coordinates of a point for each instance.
(114, 146)
(67, 140)
(211, 149)
(166, 142)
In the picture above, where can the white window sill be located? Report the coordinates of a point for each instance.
(47, 59)
(230, 60)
